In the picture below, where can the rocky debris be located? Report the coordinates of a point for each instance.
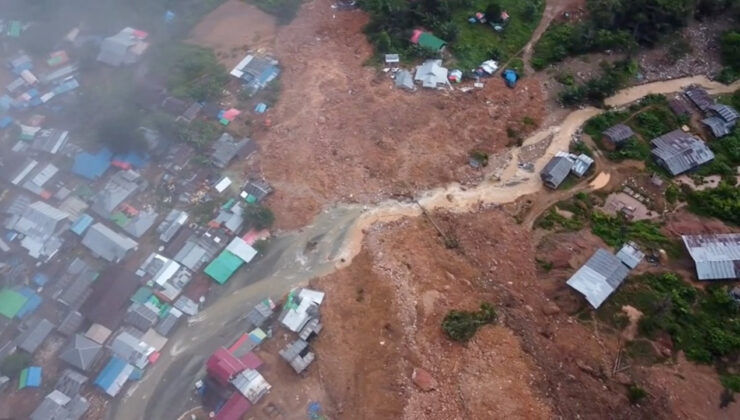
(550, 308)
(423, 379)
(623, 379)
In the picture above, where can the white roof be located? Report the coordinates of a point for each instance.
(312, 295)
(716, 257)
(599, 277)
(24, 172)
(223, 184)
(241, 249)
(237, 71)
(630, 255)
(169, 268)
(431, 74)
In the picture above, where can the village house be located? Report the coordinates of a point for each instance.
(614, 137)
(57, 405)
(81, 353)
(226, 149)
(602, 274)
(716, 257)
(555, 172)
(107, 244)
(721, 119)
(255, 72)
(121, 186)
(431, 74)
(125, 47)
(41, 225)
(679, 152)
(699, 97)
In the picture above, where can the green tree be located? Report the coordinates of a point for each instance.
(730, 43)
(258, 216)
(462, 325)
(493, 12)
(14, 364)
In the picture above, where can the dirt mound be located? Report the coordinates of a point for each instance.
(341, 131)
(383, 321)
(686, 223)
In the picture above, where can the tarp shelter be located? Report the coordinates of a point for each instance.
(81, 224)
(33, 301)
(30, 377)
(113, 376)
(260, 108)
(92, 166)
(11, 303)
(223, 267)
(427, 40)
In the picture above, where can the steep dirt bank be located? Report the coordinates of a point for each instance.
(383, 320)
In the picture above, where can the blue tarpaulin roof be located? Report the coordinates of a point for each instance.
(81, 224)
(5, 101)
(132, 158)
(260, 108)
(33, 377)
(6, 121)
(92, 166)
(110, 372)
(33, 302)
(40, 279)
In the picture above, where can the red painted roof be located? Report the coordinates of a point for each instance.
(234, 408)
(222, 366)
(251, 360)
(238, 343)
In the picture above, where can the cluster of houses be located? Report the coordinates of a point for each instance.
(715, 256)
(233, 381)
(677, 151)
(102, 253)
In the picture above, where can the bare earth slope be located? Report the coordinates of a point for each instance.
(341, 132)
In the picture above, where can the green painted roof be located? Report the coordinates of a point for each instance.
(11, 302)
(430, 41)
(119, 218)
(142, 295)
(223, 267)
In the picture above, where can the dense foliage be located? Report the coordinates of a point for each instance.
(616, 230)
(462, 325)
(258, 216)
(191, 71)
(621, 25)
(13, 364)
(283, 10)
(730, 44)
(705, 324)
(392, 22)
(613, 77)
(722, 202)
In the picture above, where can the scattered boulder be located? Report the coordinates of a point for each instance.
(423, 379)
(623, 379)
(550, 308)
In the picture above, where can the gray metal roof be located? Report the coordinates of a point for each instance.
(36, 336)
(258, 188)
(71, 323)
(717, 257)
(618, 133)
(405, 80)
(128, 347)
(556, 170)
(227, 148)
(106, 243)
(699, 97)
(76, 286)
(50, 141)
(630, 255)
(718, 126)
(120, 186)
(431, 74)
(725, 112)
(81, 352)
(581, 165)
(57, 406)
(167, 324)
(293, 350)
(39, 220)
(70, 382)
(679, 152)
(141, 317)
(171, 224)
(140, 224)
(599, 277)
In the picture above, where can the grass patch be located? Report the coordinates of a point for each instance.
(479, 42)
(636, 394)
(462, 325)
(190, 71)
(654, 122)
(580, 206)
(616, 230)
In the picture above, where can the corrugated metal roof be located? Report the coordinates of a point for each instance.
(716, 257)
(106, 243)
(556, 170)
(718, 127)
(699, 97)
(81, 352)
(36, 336)
(618, 133)
(630, 255)
(599, 277)
(114, 376)
(679, 152)
(726, 112)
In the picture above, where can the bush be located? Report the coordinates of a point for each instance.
(635, 394)
(191, 72)
(613, 77)
(722, 202)
(480, 157)
(731, 382)
(616, 230)
(632, 148)
(258, 216)
(462, 325)
(14, 364)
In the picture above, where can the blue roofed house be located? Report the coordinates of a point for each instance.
(256, 72)
(114, 376)
(81, 224)
(92, 166)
